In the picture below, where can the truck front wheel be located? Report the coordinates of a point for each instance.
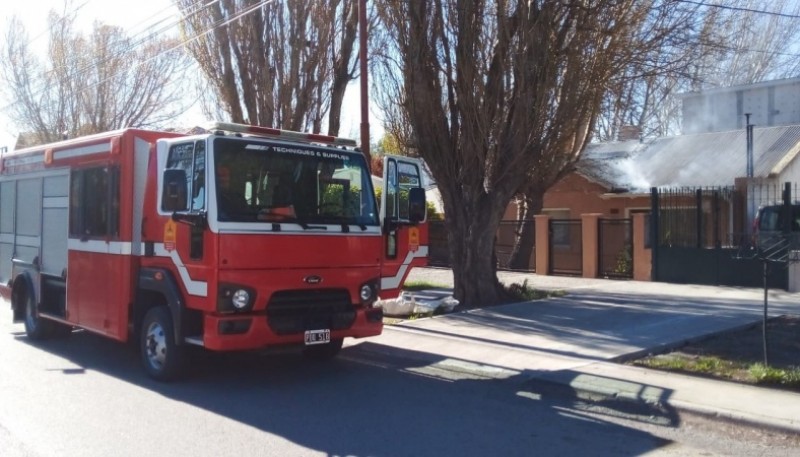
(162, 358)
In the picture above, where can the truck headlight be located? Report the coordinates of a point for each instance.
(366, 293)
(240, 299)
(235, 298)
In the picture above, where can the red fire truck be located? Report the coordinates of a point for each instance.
(239, 237)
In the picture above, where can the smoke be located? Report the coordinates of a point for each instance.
(631, 174)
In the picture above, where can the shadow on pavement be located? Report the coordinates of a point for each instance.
(599, 326)
(377, 400)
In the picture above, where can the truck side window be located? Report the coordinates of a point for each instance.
(191, 158)
(198, 188)
(94, 203)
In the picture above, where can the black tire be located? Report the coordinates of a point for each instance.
(36, 327)
(321, 352)
(163, 359)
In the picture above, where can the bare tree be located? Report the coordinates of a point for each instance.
(754, 43)
(279, 64)
(88, 84)
(742, 42)
(497, 91)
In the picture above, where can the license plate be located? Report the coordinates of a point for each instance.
(318, 336)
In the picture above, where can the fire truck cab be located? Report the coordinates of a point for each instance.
(235, 238)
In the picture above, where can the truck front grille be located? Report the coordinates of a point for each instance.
(295, 311)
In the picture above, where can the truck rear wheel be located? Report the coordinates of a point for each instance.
(35, 327)
(162, 358)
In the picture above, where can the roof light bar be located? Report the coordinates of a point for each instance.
(288, 135)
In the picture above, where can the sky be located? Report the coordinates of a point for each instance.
(133, 15)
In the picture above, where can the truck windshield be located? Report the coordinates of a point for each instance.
(263, 181)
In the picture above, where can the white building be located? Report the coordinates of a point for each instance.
(770, 103)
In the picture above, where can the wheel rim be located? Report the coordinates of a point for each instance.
(155, 345)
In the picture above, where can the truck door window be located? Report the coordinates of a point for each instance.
(94, 203)
(191, 158)
(401, 177)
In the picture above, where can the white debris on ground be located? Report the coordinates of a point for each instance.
(422, 302)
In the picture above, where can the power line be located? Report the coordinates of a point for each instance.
(61, 19)
(213, 26)
(192, 39)
(134, 41)
(740, 9)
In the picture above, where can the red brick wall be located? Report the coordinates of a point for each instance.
(581, 196)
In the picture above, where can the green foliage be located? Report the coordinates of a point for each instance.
(333, 200)
(768, 375)
(702, 364)
(523, 292)
(422, 285)
(720, 367)
(389, 144)
(433, 215)
(624, 263)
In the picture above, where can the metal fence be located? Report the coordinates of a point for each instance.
(706, 217)
(615, 246)
(705, 235)
(507, 235)
(438, 247)
(566, 247)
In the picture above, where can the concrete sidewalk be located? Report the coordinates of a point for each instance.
(571, 341)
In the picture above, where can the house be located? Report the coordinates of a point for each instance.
(614, 179)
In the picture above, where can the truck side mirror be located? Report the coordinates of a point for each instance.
(416, 205)
(175, 195)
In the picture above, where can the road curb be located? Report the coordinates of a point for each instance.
(663, 348)
(655, 398)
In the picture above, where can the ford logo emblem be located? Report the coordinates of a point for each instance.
(313, 279)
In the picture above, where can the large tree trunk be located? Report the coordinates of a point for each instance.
(471, 241)
(531, 204)
(472, 253)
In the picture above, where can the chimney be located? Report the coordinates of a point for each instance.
(629, 132)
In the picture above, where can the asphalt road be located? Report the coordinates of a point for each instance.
(87, 396)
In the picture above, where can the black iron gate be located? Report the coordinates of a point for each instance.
(615, 246)
(703, 236)
(439, 248)
(566, 247)
(508, 235)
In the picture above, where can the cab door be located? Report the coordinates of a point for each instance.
(405, 234)
(188, 245)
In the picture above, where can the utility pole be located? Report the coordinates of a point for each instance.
(749, 137)
(362, 51)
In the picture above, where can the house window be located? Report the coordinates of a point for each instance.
(94, 203)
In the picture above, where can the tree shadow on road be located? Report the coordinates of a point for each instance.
(379, 400)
